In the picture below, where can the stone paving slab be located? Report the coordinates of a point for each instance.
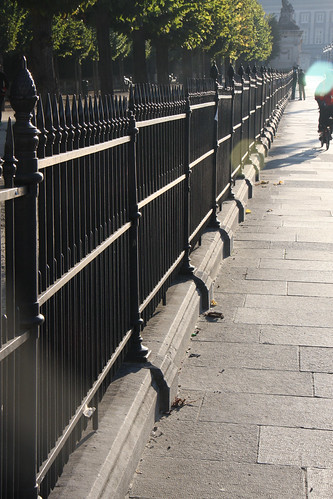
(296, 447)
(323, 223)
(292, 212)
(245, 255)
(214, 479)
(244, 355)
(298, 245)
(282, 317)
(196, 440)
(245, 244)
(323, 385)
(310, 289)
(264, 236)
(272, 263)
(294, 254)
(314, 304)
(297, 335)
(317, 235)
(320, 483)
(246, 286)
(289, 275)
(268, 231)
(316, 359)
(259, 409)
(235, 380)
(225, 333)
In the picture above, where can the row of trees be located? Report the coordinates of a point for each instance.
(104, 30)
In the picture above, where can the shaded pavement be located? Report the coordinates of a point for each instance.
(254, 414)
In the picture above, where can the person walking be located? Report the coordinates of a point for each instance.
(294, 83)
(3, 90)
(301, 84)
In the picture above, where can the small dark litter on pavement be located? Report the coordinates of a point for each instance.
(194, 355)
(214, 315)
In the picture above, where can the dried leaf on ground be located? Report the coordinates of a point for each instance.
(178, 402)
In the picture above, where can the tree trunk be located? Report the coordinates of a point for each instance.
(139, 57)
(105, 53)
(187, 64)
(162, 60)
(41, 63)
(96, 84)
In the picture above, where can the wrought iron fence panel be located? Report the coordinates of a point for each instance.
(201, 201)
(224, 142)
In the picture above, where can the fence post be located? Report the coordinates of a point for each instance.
(214, 221)
(187, 268)
(23, 99)
(137, 352)
(232, 133)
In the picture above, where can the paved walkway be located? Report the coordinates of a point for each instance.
(255, 409)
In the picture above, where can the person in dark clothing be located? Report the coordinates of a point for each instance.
(294, 83)
(214, 72)
(301, 84)
(231, 74)
(3, 90)
(324, 98)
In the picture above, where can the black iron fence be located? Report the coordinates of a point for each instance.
(101, 204)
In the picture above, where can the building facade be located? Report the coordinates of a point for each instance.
(315, 20)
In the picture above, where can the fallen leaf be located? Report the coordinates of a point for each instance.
(213, 303)
(178, 402)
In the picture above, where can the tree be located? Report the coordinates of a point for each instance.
(12, 21)
(72, 38)
(276, 36)
(248, 35)
(41, 57)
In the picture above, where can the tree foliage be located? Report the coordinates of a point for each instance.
(226, 28)
(12, 23)
(72, 37)
(276, 36)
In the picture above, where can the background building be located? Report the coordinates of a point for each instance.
(315, 20)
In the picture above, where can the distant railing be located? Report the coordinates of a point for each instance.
(102, 203)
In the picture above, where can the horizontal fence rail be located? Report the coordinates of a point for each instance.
(102, 200)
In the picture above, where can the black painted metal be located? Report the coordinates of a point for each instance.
(127, 189)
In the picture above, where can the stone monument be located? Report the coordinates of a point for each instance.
(291, 39)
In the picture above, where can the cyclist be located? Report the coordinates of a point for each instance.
(324, 98)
